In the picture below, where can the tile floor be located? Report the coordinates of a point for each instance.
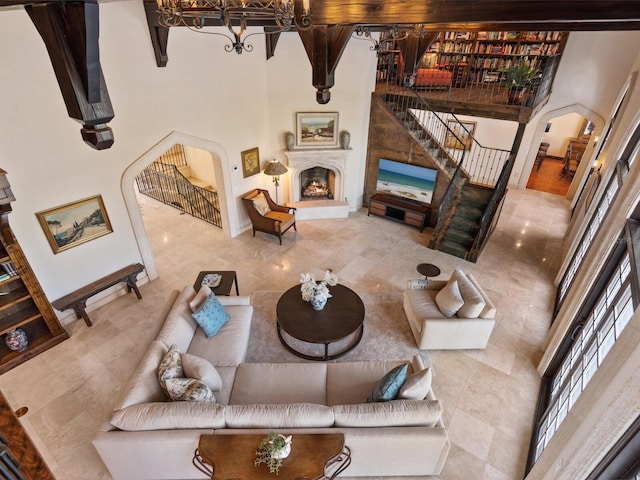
(488, 395)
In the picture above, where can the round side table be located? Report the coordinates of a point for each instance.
(428, 270)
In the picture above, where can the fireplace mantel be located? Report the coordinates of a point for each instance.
(333, 159)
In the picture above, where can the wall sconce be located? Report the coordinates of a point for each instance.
(275, 169)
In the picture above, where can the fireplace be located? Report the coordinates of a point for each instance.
(317, 183)
(316, 186)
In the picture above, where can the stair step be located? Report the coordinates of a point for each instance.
(464, 223)
(460, 237)
(476, 195)
(470, 212)
(452, 248)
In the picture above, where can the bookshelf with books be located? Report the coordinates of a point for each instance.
(483, 54)
(23, 306)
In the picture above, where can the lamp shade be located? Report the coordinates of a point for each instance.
(275, 168)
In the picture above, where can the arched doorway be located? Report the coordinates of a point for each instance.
(582, 172)
(128, 188)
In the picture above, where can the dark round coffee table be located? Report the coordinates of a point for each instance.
(428, 270)
(342, 316)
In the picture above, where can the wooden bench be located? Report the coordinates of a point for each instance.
(78, 298)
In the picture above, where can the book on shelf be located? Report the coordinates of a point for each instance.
(9, 268)
(4, 276)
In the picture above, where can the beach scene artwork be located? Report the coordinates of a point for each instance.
(404, 180)
(75, 223)
(317, 129)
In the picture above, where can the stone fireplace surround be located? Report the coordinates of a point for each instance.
(332, 159)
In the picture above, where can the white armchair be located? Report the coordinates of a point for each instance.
(450, 315)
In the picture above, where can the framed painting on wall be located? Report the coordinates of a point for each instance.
(70, 225)
(464, 135)
(250, 162)
(316, 129)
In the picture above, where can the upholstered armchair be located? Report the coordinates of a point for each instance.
(266, 215)
(450, 314)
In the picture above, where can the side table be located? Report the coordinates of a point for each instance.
(313, 456)
(229, 277)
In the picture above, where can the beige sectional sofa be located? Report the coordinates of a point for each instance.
(149, 437)
(444, 316)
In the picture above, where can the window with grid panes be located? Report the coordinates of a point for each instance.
(591, 340)
(589, 234)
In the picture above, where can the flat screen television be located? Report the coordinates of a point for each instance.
(407, 181)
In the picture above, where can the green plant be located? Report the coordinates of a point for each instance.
(521, 75)
(270, 444)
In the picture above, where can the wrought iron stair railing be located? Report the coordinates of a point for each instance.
(450, 142)
(167, 184)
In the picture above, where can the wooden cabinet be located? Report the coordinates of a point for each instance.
(411, 213)
(23, 305)
(484, 54)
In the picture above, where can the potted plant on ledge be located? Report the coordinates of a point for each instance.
(518, 79)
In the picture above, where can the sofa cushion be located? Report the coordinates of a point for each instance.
(388, 386)
(285, 218)
(179, 326)
(473, 301)
(200, 298)
(170, 367)
(169, 415)
(449, 299)
(143, 386)
(395, 413)
(229, 346)
(211, 316)
(351, 382)
(261, 204)
(201, 369)
(292, 415)
(188, 390)
(416, 386)
(280, 383)
(489, 310)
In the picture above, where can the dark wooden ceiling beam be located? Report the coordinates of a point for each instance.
(324, 45)
(412, 49)
(498, 12)
(70, 33)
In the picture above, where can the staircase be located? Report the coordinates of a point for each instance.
(478, 175)
(465, 223)
(169, 180)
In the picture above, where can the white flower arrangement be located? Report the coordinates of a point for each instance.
(310, 286)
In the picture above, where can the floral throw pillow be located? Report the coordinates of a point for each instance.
(189, 390)
(260, 202)
(211, 316)
(170, 367)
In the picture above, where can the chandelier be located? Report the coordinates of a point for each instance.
(275, 15)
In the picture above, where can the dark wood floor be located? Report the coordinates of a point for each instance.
(547, 179)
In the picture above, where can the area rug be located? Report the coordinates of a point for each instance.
(386, 332)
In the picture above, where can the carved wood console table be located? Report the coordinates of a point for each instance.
(313, 457)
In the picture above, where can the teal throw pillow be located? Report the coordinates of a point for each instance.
(211, 316)
(388, 386)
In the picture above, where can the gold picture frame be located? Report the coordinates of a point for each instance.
(316, 129)
(74, 223)
(250, 162)
(465, 135)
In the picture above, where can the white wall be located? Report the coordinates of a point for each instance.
(290, 91)
(593, 68)
(562, 129)
(201, 165)
(236, 101)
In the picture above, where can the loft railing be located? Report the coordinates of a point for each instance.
(468, 85)
(450, 140)
(166, 184)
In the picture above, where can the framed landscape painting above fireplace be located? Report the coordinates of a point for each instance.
(316, 129)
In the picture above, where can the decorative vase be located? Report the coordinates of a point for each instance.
(16, 340)
(284, 451)
(318, 301)
(289, 139)
(345, 138)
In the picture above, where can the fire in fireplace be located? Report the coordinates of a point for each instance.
(317, 183)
